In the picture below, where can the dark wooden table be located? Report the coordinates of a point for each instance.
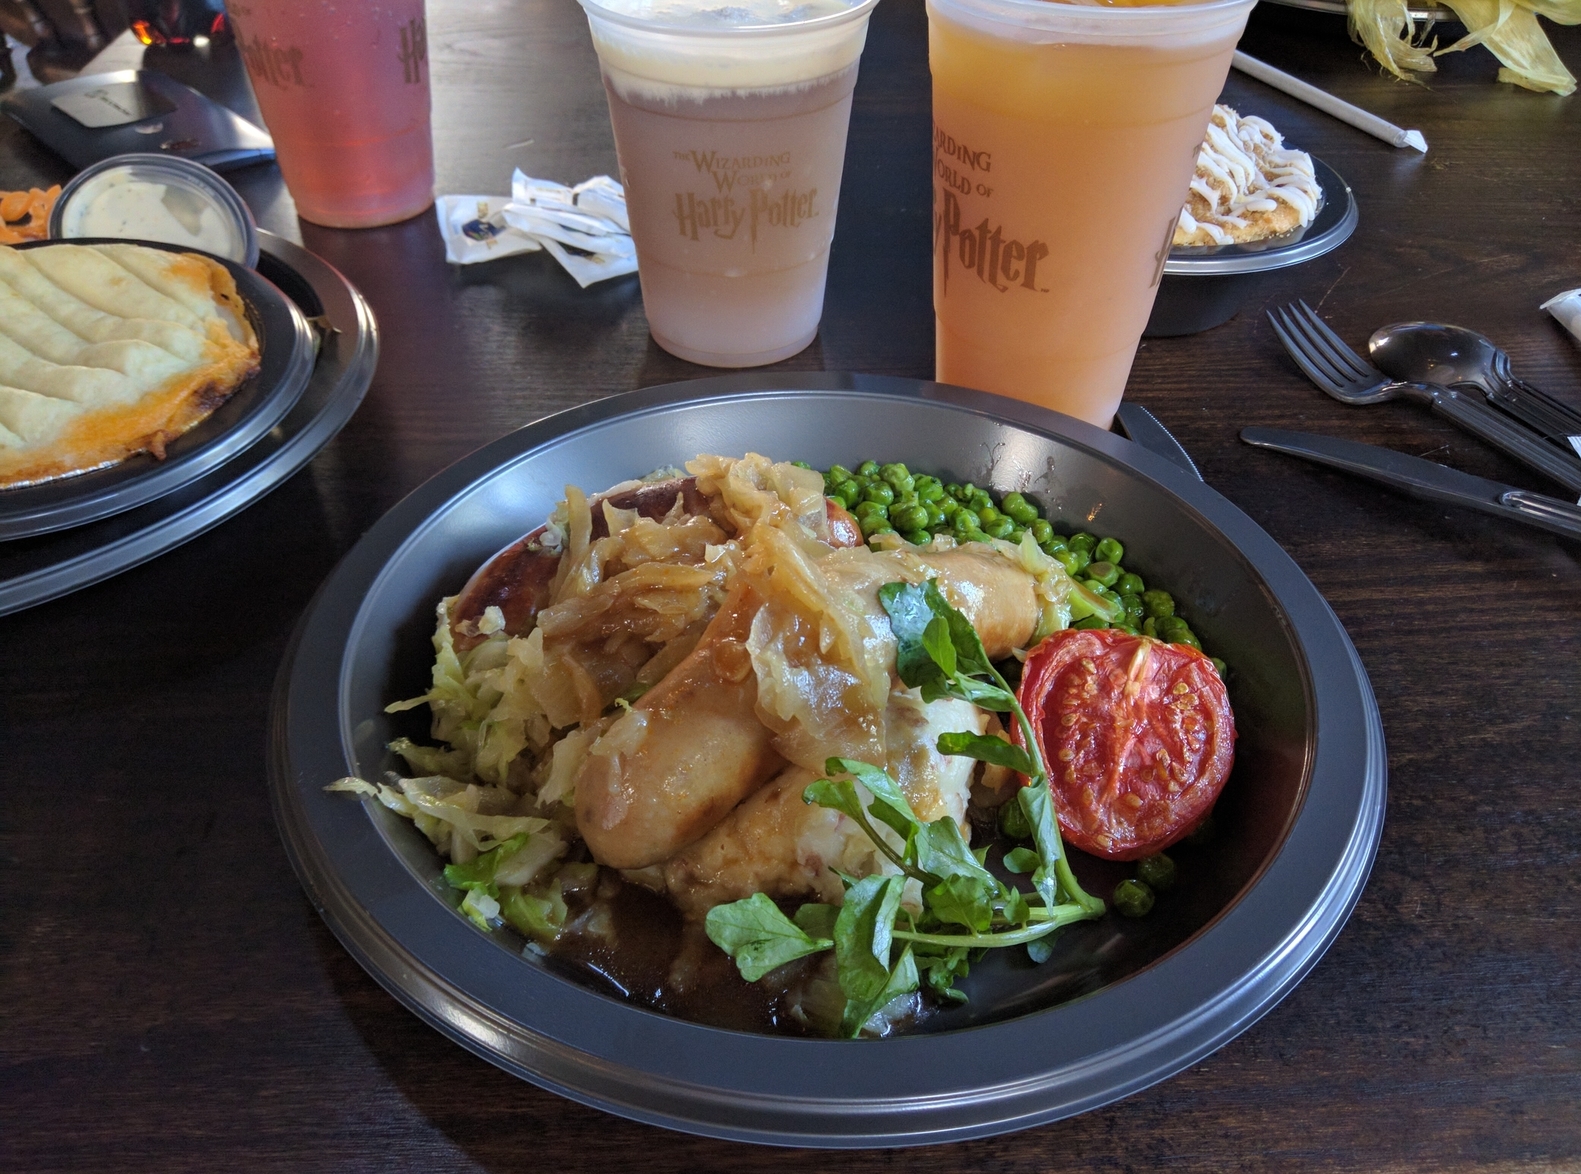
(170, 1001)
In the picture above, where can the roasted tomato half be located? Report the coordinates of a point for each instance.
(1138, 737)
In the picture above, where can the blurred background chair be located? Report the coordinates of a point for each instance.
(61, 35)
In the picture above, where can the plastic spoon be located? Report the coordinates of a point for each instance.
(1452, 355)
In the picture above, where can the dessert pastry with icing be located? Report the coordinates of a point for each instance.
(1249, 186)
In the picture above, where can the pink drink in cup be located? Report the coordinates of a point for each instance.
(343, 88)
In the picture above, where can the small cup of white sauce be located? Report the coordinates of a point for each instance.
(162, 198)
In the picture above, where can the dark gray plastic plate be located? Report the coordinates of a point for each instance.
(285, 360)
(1121, 1005)
(45, 566)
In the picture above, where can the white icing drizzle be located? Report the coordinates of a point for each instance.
(1244, 167)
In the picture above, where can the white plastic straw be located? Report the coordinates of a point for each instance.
(1329, 104)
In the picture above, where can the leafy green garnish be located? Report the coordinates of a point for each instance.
(759, 937)
(965, 909)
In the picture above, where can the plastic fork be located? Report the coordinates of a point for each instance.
(1327, 361)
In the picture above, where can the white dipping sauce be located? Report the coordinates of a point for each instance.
(139, 210)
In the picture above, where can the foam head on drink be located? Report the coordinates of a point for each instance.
(730, 125)
(1064, 140)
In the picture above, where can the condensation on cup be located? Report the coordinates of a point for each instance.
(343, 89)
(1064, 139)
(730, 125)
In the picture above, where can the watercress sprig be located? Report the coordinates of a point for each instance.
(938, 650)
(883, 948)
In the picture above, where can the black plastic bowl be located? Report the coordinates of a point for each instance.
(1205, 285)
(1122, 1004)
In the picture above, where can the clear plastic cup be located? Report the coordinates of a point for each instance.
(730, 126)
(343, 88)
(1064, 139)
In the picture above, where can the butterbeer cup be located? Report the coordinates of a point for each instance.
(343, 88)
(730, 126)
(1064, 139)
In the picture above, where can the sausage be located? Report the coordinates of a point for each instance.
(703, 750)
(775, 843)
(517, 579)
(994, 594)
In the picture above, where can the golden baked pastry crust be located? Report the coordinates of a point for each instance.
(1248, 185)
(95, 435)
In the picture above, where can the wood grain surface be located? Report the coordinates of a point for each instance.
(170, 1001)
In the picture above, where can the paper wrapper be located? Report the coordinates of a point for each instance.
(583, 227)
(1567, 308)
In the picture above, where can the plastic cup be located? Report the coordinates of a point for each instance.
(730, 127)
(1064, 139)
(343, 88)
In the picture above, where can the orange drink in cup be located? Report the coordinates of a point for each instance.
(1064, 138)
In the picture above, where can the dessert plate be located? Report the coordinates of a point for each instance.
(1120, 1005)
(286, 354)
(1203, 285)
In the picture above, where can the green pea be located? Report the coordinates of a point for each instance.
(867, 468)
(1106, 573)
(1075, 561)
(1132, 898)
(872, 524)
(988, 516)
(837, 474)
(1150, 627)
(964, 523)
(1128, 629)
(1055, 544)
(909, 517)
(981, 501)
(968, 491)
(1042, 532)
(849, 492)
(929, 488)
(1013, 820)
(1000, 527)
(1159, 604)
(1169, 625)
(1219, 666)
(880, 492)
(956, 491)
(1019, 508)
(949, 507)
(1134, 612)
(1016, 534)
(917, 537)
(803, 465)
(936, 515)
(865, 509)
(1090, 622)
(898, 476)
(1083, 541)
(1186, 636)
(1109, 551)
(1130, 584)
(1156, 872)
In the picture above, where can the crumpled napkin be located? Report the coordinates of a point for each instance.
(1567, 308)
(582, 227)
